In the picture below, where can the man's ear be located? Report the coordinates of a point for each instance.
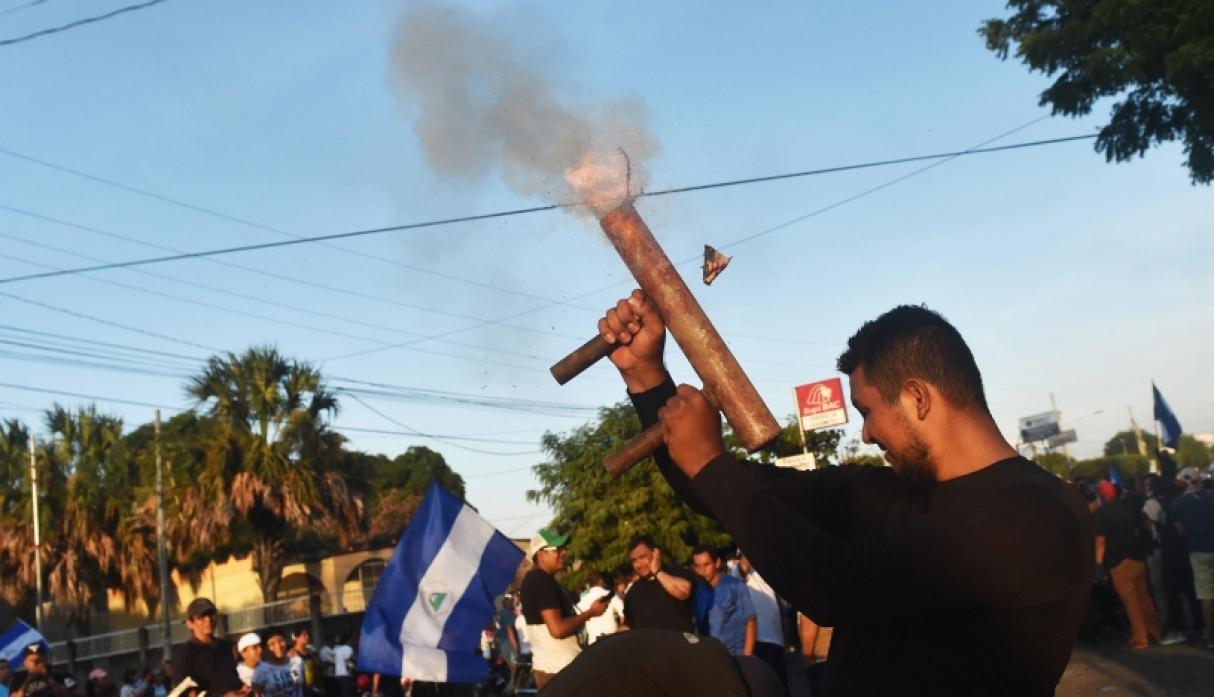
(917, 397)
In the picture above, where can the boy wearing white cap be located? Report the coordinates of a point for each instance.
(249, 647)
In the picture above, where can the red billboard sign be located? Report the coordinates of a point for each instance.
(821, 404)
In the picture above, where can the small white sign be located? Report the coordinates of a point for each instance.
(804, 461)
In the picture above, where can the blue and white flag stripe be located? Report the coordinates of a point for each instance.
(436, 595)
(17, 639)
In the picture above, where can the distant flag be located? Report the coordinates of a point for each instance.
(1114, 474)
(16, 642)
(436, 595)
(1167, 420)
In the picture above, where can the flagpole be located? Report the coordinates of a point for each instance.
(37, 534)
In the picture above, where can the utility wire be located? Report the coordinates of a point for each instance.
(18, 8)
(78, 23)
(440, 439)
(256, 225)
(310, 283)
(508, 213)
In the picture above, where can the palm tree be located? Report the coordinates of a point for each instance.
(16, 573)
(272, 462)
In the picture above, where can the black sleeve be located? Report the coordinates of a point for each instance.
(904, 572)
(540, 593)
(1098, 524)
(181, 663)
(823, 496)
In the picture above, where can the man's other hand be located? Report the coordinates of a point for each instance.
(691, 428)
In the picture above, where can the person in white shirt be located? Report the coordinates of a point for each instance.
(343, 653)
(249, 648)
(769, 641)
(608, 622)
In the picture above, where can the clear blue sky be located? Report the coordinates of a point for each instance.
(1067, 275)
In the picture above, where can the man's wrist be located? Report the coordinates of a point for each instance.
(643, 378)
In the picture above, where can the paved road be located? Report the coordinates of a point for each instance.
(1106, 670)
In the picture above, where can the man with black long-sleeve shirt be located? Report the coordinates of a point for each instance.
(961, 569)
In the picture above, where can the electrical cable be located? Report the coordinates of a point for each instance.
(506, 213)
(78, 23)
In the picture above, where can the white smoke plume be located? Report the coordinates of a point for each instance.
(483, 108)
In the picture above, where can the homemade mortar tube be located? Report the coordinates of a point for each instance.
(691, 329)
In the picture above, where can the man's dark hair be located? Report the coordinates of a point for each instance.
(911, 341)
(595, 578)
(272, 632)
(705, 549)
(642, 539)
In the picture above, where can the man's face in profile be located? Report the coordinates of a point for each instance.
(891, 427)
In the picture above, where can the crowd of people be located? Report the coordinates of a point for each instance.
(542, 628)
(1155, 556)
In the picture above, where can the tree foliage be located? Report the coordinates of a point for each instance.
(603, 515)
(1155, 58)
(823, 444)
(1126, 443)
(256, 469)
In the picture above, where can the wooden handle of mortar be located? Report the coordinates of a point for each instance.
(585, 356)
(640, 447)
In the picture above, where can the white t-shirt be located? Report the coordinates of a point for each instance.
(326, 659)
(606, 623)
(245, 672)
(767, 610)
(280, 679)
(1153, 510)
(341, 660)
(520, 629)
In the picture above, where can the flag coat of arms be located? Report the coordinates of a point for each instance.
(436, 595)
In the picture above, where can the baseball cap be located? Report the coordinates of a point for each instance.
(98, 674)
(546, 539)
(1107, 490)
(1189, 474)
(199, 607)
(69, 682)
(250, 639)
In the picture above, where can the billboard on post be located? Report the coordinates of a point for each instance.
(821, 404)
(1039, 427)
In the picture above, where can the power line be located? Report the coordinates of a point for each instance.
(256, 225)
(310, 283)
(440, 439)
(507, 213)
(78, 23)
(18, 8)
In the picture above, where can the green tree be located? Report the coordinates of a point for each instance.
(1126, 442)
(823, 444)
(1056, 463)
(1191, 453)
(602, 515)
(1156, 57)
(273, 463)
(1133, 465)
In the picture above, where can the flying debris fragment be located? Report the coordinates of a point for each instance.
(714, 263)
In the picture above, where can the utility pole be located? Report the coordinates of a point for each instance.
(162, 552)
(37, 533)
(1142, 444)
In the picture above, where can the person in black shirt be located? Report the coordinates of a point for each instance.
(660, 598)
(1121, 547)
(552, 622)
(961, 569)
(205, 658)
(38, 681)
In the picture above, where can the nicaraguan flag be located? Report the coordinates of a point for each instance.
(436, 595)
(16, 641)
(1167, 420)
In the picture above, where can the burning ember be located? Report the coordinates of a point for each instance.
(602, 181)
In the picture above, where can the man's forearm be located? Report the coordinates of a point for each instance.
(673, 585)
(752, 631)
